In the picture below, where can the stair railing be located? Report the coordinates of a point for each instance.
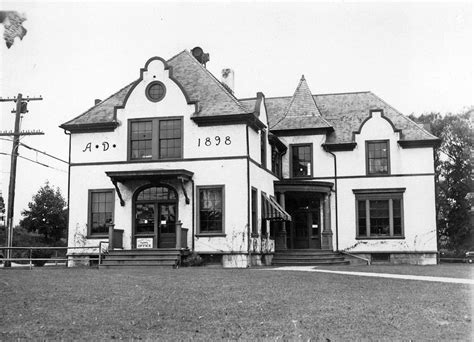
(357, 257)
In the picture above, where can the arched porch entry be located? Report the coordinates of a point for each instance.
(155, 214)
(308, 203)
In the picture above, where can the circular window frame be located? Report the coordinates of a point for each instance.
(147, 91)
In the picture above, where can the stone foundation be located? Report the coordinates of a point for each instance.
(236, 261)
(428, 258)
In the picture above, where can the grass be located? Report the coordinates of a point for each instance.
(213, 304)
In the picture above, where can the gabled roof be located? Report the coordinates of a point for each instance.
(197, 82)
(345, 112)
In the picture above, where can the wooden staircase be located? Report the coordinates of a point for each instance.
(157, 257)
(308, 257)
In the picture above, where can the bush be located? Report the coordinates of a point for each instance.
(23, 238)
(192, 259)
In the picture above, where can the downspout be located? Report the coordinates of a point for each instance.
(335, 196)
(248, 194)
(193, 217)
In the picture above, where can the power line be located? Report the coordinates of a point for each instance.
(34, 161)
(36, 150)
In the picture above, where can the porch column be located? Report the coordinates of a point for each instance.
(280, 242)
(178, 234)
(326, 235)
(111, 235)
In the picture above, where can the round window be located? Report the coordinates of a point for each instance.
(155, 91)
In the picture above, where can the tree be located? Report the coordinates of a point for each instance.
(453, 178)
(47, 214)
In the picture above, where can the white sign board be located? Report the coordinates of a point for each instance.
(144, 243)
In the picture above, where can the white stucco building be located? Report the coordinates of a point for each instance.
(177, 162)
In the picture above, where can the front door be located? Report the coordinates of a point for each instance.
(155, 218)
(304, 231)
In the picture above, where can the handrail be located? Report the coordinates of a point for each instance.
(30, 253)
(357, 257)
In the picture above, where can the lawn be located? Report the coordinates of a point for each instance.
(214, 304)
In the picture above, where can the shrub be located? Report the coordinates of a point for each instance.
(192, 259)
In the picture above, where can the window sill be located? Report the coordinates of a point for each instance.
(380, 238)
(211, 235)
(98, 236)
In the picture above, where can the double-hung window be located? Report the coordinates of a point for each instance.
(378, 157)
(210, 209)
(301, 160)
(101, 211)
(379, 213)
(157, 138)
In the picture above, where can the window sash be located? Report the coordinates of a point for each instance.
(211, 210)
(101, 211)
(254, 211)
(378, 157)
(301, 160)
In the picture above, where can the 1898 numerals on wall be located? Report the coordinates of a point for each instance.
(217, 140)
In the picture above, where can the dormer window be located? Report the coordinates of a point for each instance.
(378, 157)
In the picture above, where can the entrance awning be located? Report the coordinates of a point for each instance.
(273, 211)
(149, 175)
(157, 174)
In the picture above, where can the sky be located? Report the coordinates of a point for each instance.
(417, 56)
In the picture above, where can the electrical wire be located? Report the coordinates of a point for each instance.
(31, 160)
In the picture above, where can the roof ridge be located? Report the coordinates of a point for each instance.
(98, 104)
(323, 94)
(219, 84)
(404, 116)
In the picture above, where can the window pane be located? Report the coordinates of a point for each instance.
(362, 223)
(379, 217)
(210, 210)
(397, 217)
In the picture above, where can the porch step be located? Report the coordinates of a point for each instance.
(307, 257)
(158, 257)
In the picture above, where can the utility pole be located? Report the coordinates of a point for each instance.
(21, 108)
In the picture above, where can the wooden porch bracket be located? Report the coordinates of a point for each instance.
(122, 202)
(184, 190)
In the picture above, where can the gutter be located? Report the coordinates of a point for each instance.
(335, 195)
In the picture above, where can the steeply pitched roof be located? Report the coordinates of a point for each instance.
(345, 113)
(200, 85)
(196, 81)
(302, 112)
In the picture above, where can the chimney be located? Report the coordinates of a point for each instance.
(228, 79)
(97, 101)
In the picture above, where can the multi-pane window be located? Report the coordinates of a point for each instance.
(263, 148)
(141, 134)
(379, 213)
(254, 211)
(301, 159)
(160, 138)
(276, 161)
(211, 209)
(170, 138)
(101, 211)
(378, 157)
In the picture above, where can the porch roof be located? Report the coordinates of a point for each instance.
(122, 176)
(302, 185)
